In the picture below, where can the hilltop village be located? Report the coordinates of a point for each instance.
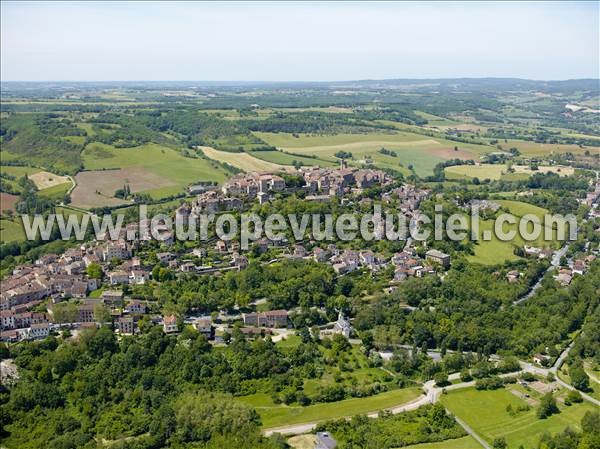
(88, 285)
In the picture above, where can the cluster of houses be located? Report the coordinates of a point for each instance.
(409, 197)
(578, 266)
(323, 183)
(254, 185)
(408, 264)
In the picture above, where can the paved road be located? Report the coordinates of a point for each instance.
(555, 262)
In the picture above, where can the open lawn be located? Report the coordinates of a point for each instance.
(243, 161)
(459, 443)
(273, 415)
(485, 412)
(422, 152)
(154, 169)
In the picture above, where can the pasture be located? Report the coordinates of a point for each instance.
(96, 188)
(495, 251)
(11, 230)
(243, 161)
(154, 169)
(283, 158)
(485, 412)
(274, 415)
(500, 171)
(422, 152)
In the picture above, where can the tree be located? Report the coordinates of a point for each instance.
(94, 271)
(579, 378)
(499, 443)
(441, 379)
(547, 406)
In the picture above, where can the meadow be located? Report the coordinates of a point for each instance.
(243, 161)
(154, 169)
(496, 251)
(274, 415)
(485, 412)
(420, 151)
(500, 171)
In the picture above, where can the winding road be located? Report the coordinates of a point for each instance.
(431, 395)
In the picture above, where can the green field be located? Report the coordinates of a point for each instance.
(496, 251)
(11, 230)
(500, 171)
(485, 412)
(459, 443)
(282, 158)
(159, 160)
(421, 151)
(273, 415)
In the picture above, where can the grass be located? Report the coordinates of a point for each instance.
(500, 171)
(273, 415)
(243, 161)
(160, 160)
(485, 412)
(495, 251)
(283, 158)
(420, 151)
(459, 443)
(11, 230)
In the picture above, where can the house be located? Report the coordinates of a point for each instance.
(39, 330)
(79, 289)
(118, 277)
(188, 267)
(513, 276)
(272, 318)
(221, 246)
(85, 313)
(139, 277)
(319, 254)
(299, 251)
(324, 440)
(126, 325)
(170, 324)
(112, 297)
(438, 257)
(205, 327)
(135, 306)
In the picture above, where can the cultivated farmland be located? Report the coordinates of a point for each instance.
(243, 161)
(422, 152)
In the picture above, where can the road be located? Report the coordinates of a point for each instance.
(431, 395)
(555, 262)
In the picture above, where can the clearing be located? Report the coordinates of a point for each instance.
(485, 412)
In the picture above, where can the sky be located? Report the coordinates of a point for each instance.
(297, 41)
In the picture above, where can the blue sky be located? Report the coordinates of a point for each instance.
(298, 41)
